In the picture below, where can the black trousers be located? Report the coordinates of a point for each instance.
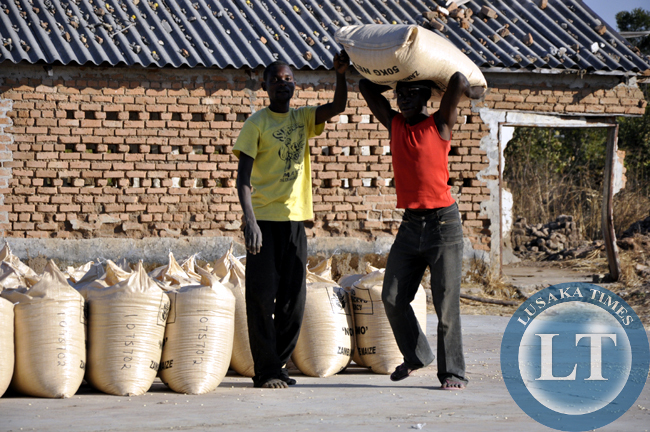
(434, 240)
(275, 296)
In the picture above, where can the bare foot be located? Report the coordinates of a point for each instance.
(275, 383)
(452, 383)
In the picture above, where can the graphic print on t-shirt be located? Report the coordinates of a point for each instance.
(291, 151)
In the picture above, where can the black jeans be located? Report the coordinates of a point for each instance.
(275, 297)
(435, 239)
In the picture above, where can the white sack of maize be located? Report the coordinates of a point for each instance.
(375, 341)
(99, 278)
(96, 271)
(28, 274)
(322, 269)
(7, 354)
(198, 337)
(10, 277)
(326, 338)
(346, 282)
(171, 274)
(386, 54)
(49, 336)
(190, 267)
(232, 274)
(75, 274)
(126, 326)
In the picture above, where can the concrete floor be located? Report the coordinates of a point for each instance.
(532, 275)
(355, 400)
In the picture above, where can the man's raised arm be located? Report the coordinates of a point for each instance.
(377, 102)
(340, 102)
(447, 114)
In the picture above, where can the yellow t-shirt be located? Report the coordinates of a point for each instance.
(281, 177)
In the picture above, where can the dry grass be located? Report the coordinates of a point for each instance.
(490, 280)
(629, 275)
(630, 205)
(551, 173)
(634, 289)
(596, 263)
(544, 199)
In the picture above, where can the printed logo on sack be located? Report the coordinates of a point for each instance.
(575, 357)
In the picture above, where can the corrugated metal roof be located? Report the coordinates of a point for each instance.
(250, 33)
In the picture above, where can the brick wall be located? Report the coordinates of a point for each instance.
(559, 95)
(6, 141)
(131, 152)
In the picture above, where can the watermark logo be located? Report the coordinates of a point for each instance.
(575, 357)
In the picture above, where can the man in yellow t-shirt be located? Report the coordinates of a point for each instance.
(274, 187)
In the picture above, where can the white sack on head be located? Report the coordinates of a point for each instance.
(7, 354)
(375, 341)
(49, 337)
(232, 274)
(326, 338)
(126, 326)
(386, 54)
(198, 337)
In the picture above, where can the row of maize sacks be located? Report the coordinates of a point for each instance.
(119, 328)
(346, 322)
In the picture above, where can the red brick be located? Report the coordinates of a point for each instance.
(23, 226)
(47, 227)
(28, 208)
(135, 208)
(46, 208)
(156, 208)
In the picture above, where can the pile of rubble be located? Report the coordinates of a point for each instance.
(561, 240)
(556, 240)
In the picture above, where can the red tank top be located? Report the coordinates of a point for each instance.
(420, 159)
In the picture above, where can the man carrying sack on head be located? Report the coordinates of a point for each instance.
(430, 233)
